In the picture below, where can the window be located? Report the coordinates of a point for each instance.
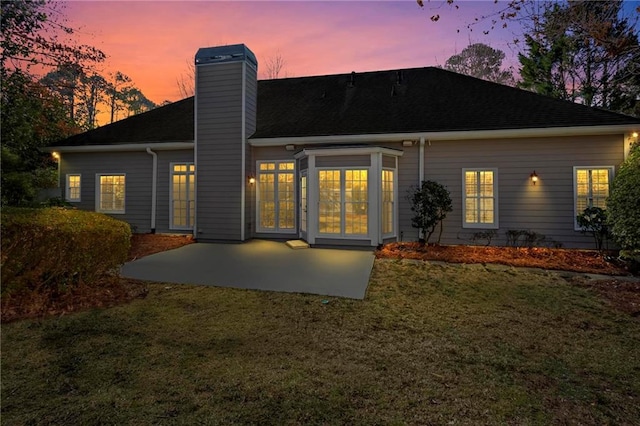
(110, 193)
(276, 196)
(388, 201)
(591, 186)
(72, 191)
(182, 196)
(479, 188)
(343, 205)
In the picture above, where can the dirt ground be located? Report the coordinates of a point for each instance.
(623, 295)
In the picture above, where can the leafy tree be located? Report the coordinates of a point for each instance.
(31, 116)
(117, 87)
(624, 202)
(430, 203)
(584, 51)
(480, 61)
(32, 34)
(136, 101)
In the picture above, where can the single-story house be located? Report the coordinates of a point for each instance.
(330, 159)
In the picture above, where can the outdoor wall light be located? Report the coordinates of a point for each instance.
(534, 177)
(289, 147)
(55, 155)
(252, 180)
(634, 134)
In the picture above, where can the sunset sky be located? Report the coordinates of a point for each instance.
(153, 41)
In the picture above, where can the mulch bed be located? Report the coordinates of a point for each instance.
(587, 261)
(145, 244)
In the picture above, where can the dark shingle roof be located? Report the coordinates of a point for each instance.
(397, 101)
(169, 123)
(426, 100)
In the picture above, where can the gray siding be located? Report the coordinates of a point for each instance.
(546, 208)
(219, 148)
(138, 168)
(343, 161)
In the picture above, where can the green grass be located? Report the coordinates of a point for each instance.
(430, 345)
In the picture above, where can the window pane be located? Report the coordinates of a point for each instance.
(387, 201)
(479, 203)
(329, 205)
(112, 193)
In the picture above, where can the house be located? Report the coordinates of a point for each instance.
(330, 159)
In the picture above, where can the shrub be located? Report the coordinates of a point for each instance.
(55, 247)
(430, 202)
(624, 203)
(594, 221)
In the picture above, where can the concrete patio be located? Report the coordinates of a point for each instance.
(260, 265)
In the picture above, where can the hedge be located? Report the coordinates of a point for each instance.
(56, 247)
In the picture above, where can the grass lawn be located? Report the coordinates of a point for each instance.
(430, 344)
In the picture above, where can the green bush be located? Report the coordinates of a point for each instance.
(623, 205)
(594, 221)
(58, 248)
(430, 203)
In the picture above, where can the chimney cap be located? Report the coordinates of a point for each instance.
(220, 54)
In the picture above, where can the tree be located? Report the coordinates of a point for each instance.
(480, 61)
(624, 202)
(31, 116)
(136, 102)
(585, 52)
(33, 35)
(186, 81)
(430, 203)
(275, 66)
(117, 86)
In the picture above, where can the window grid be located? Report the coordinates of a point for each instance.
(182, 196)
(73, 187)
(387, 201)
(592, 188)
(479, 190)
(343, 205)
(112, 193)
(276, 196)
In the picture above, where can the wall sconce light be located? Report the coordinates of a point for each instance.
(55, 155)
(534, 177)
(634, 134)
(289, 147)
(407, 143)
(252, 180)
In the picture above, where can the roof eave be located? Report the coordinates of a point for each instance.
(142, 146)
(450, 135)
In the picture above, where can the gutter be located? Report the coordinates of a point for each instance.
(452, 135)
(154, 189)
(158, 146)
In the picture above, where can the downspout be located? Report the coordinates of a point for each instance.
(421, 162)
(421, 172)
(154, 189)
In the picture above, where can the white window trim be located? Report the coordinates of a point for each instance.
(124, 208)
(495, 224)
(342, 235)
(67, 193)
(171, 174)
(277, 230)
(394, 232)
(611, 169)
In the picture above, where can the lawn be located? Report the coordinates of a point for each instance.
(431, 344)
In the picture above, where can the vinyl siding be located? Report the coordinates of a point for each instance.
(138, 168)
(219, 151)
(546, 208)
